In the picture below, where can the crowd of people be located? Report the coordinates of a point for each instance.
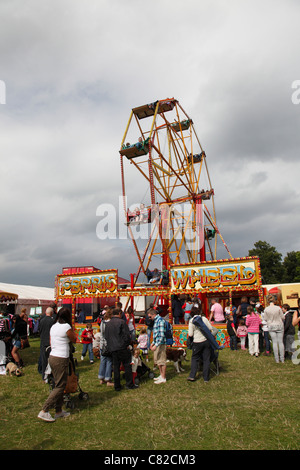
(258, 327)
(121, 348)
(250, 325)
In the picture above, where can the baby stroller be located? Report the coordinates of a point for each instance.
(214, 362)
(141, 371)
(139, 368)
(3, 357)
(72, 383)
(5, 351)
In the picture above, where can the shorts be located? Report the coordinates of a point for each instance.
(17, 343)
(160, 355)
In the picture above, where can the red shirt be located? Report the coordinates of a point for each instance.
(87, 336)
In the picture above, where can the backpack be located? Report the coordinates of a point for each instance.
(169, 333)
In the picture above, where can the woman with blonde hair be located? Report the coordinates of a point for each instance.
(274, 317)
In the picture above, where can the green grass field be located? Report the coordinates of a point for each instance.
(252, 405)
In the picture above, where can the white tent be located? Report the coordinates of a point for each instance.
(29, 292)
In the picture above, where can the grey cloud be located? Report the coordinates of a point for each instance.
(74, 70)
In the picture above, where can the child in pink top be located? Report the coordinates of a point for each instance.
(253, 323)
(242, 333)
(142, 342)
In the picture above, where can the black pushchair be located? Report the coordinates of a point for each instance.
(5, 349)
(72, 383)
(214, 362)
(141, 371)
(3, 357)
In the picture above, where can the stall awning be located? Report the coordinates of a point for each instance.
(7, 296)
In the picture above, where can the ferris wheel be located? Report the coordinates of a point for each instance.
(168, 197)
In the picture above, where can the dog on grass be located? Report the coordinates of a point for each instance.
(13, 369)
(177, 355)
(96, 352)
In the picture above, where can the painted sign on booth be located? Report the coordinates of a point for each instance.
(87, 284)
(233, 273)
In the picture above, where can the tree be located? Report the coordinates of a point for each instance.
(291, 267)
(270, 262)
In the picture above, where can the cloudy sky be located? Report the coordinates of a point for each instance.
(73, 70)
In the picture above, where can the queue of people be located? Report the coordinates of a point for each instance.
(182, 306)
(262, 327)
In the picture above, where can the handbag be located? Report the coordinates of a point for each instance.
(24, 343)
(104, 351)
(189, 342)
(275, 327)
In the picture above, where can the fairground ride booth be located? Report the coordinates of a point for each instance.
(91, 289)
(284, 293)
(85, 291)
(90, 306)
(226, 280)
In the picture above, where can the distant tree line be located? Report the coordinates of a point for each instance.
(274, 270)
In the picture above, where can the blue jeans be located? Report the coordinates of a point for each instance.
(89, 347)
(277, 343)
(187, 317)
(267, 341)
(233, 342)
(105, 369)
(132, 335)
